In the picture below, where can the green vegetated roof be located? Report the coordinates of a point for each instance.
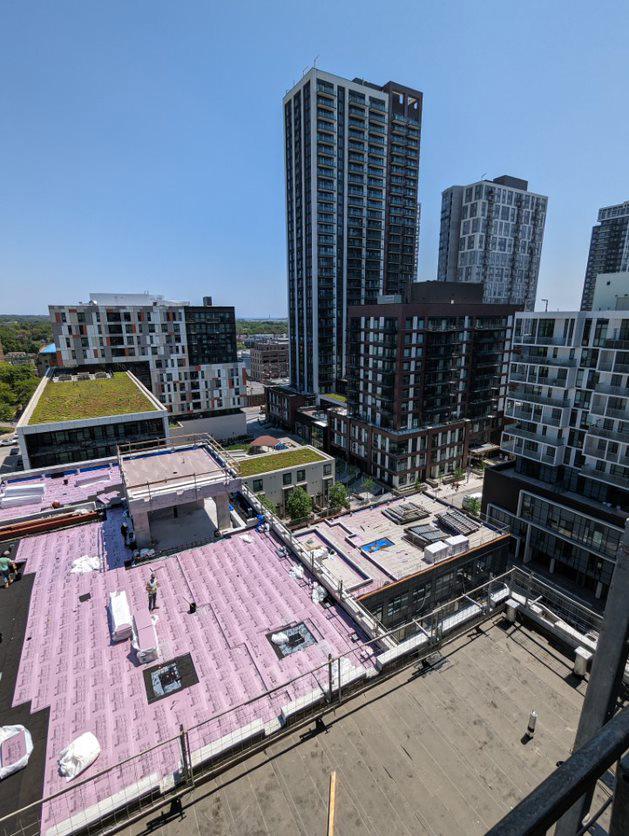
(276, 461)
(74, 400)
(333, 396)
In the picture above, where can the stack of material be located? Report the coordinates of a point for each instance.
(144, 638)
(120, 623)
(25, 493)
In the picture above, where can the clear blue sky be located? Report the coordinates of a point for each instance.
(141, 141)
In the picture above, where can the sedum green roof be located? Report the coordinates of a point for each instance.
(277, 461)
(334, 396)
(81, 399)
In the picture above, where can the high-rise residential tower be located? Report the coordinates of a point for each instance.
(609, 248)
(492, 232)
(352, 211)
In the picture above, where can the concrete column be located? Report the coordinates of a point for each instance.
(551, 568)
(608, 667)
(223, 520)
(599, 590)
(141, 528)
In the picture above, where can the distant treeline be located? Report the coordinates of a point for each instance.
(24, 333)
(262, 326)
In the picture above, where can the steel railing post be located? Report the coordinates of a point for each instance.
(619, 823)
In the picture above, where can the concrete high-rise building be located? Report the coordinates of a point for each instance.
(352, 211)
(185, 354)
(492, 232)
(567, 494)
(609, 248)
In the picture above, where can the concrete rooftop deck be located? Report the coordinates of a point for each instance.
(438, 752)
(362, 572)
(168, 468)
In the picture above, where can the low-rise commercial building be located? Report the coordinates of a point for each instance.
(276, 474)
(72, 418)
(566, 497)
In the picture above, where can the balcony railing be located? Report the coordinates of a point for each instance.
(520, 393)
(610, 478)
(613, 435)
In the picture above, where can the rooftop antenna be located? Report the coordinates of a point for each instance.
(483, 175)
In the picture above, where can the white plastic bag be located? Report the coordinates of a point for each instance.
(84, 564)
(8, 763)
(80, 754)
(279, 638)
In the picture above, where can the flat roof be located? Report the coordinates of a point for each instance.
(341, 542)
(74, 400)
(246, 589)
(168, 467)
(432, 751)
(255, 465)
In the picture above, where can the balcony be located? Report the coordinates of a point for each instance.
(544, 361)
(516, 447)
(609, 478)
(612, 435)
(529, 339)
(521, 393)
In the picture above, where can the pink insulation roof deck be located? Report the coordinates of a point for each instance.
(243, 591)
(67, 488)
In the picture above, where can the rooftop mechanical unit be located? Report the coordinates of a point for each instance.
(406, 513)
(457, 523)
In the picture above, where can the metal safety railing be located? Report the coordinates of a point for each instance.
(127, 790)
(542, 808)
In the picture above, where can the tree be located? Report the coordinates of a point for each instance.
(337, 497)
(267, 503)
(473, 506)
(368, 484)
(299, 504)
(17, 384)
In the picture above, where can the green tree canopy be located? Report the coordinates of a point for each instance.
(267, 503)
(337, 497)
(17, 384)
(299, 504)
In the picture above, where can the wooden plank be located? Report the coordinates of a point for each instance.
(332, 803)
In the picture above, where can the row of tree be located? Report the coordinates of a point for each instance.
(299, 503)
(17, 384)
(24, 334)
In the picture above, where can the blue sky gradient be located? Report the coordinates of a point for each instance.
(141, 142)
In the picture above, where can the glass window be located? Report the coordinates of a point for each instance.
(258, 485)
(287, 479)
(301, 475)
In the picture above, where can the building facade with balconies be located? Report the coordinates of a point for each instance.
(185, 354)
(492, 232)
(352, 211)
(426, 381)
(566, 496)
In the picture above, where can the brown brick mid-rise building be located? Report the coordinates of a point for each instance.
(426, 381)
(269, 361)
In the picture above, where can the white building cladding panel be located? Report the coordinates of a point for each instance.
(492, 232)
(153, 336)
(342, 198)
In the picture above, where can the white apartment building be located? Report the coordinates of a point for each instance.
(566, 496)
(185, 354)
(492, 232)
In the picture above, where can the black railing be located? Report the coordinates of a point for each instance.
(569, 782)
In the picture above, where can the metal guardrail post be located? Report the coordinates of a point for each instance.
(619, 823)
(339, 675)
(330, 677)
(185, 760)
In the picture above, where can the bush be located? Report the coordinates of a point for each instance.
(337, 497)
(299, 504)
(473, 506)
(266, 502)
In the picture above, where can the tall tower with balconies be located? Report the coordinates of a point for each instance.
(352, 211)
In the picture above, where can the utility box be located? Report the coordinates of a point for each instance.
(582, 658)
